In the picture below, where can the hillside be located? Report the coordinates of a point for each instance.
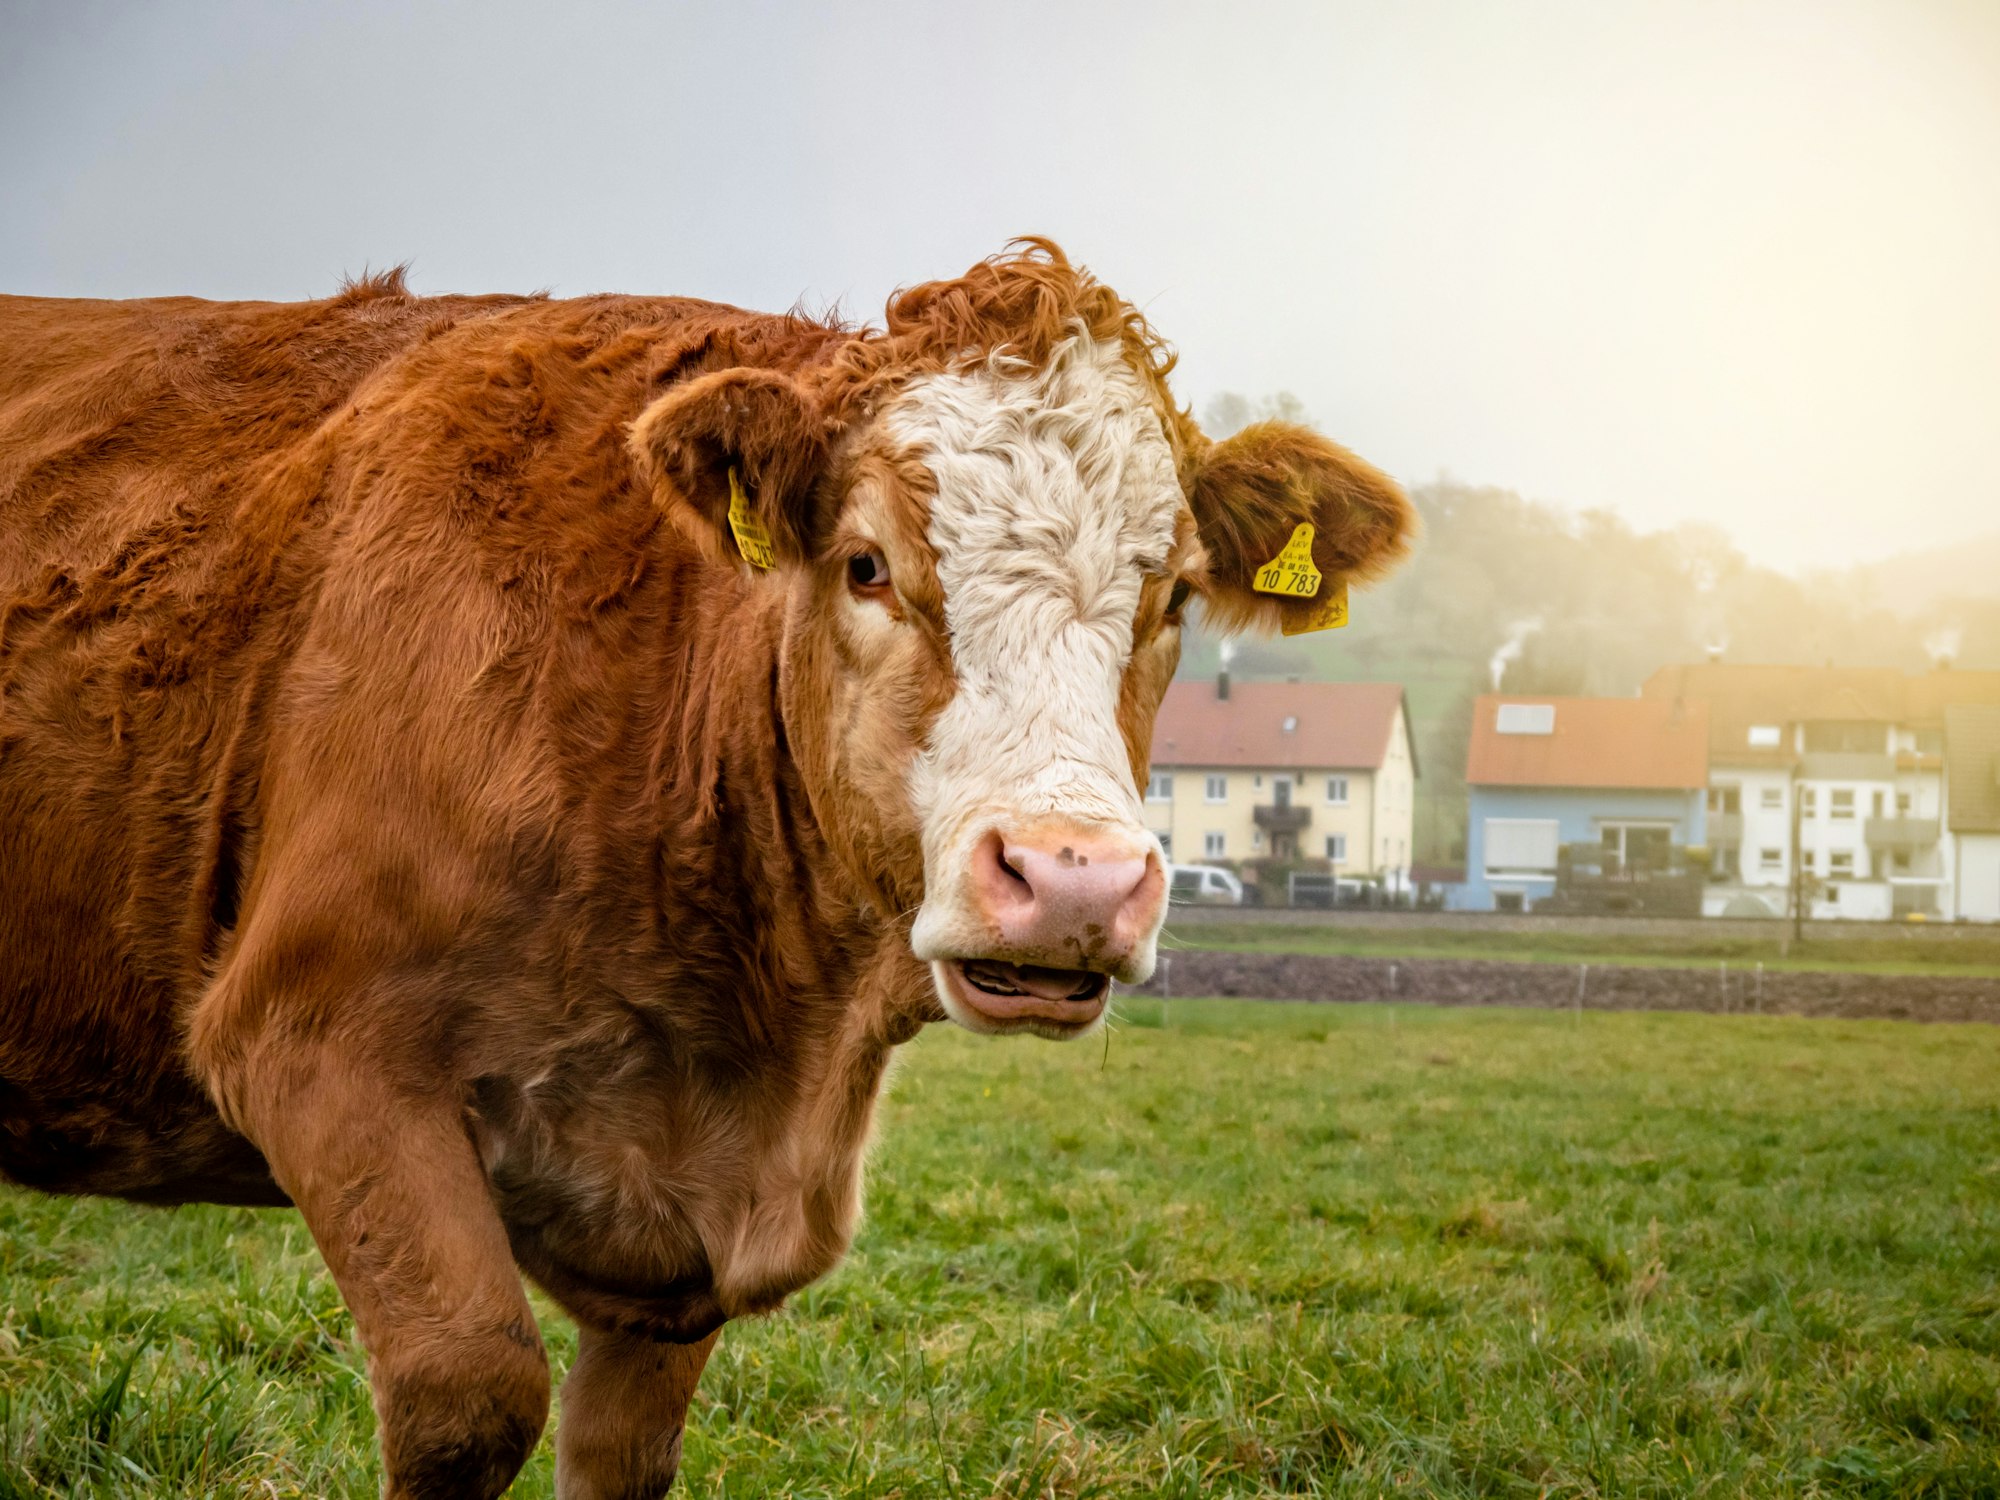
(1914, 583)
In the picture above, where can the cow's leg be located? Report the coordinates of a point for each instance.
(623, 1406)
(394, 1194)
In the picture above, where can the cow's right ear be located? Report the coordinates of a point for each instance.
(759, 426)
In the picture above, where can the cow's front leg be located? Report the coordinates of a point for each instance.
(623, 1406)
(394, 1194)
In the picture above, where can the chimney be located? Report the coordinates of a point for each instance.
(1222, 685)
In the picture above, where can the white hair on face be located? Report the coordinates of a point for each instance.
(1056, 492)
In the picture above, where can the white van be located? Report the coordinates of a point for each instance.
(1203, 885)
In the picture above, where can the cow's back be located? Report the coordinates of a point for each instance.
(172, 476)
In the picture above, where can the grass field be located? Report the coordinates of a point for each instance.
(1257, 1250)
(1908, 950)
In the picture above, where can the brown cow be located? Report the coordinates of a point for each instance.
(414, 807)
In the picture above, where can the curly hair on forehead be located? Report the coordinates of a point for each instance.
(1020, 304)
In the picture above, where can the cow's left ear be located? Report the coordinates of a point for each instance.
(760, 425)
(1250, 492)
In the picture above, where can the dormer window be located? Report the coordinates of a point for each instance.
(1526, 718)
(1764, 736)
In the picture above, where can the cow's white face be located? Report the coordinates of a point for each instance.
(984, 558)
(1055, 500)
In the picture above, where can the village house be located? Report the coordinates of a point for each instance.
(1849, 763)
(1286, 771)
(1583, 803)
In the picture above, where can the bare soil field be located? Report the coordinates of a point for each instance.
(1456, 981)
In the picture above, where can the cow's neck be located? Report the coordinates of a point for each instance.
(806, 975)
(741, 851)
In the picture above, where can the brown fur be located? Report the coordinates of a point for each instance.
(398, 819)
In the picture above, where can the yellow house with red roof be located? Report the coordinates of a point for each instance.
(1286, 770)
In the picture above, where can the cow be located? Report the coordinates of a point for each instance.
(503, 774)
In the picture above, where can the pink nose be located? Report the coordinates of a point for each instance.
(1069, 899)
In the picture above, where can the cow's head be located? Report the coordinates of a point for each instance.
(987, 521)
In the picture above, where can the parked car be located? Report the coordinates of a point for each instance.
(1203, 885)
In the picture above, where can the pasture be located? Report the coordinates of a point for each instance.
(1254, 1250)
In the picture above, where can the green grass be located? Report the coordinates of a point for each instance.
(1901, 951)
(1259, 1250)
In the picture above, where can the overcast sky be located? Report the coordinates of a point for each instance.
(1733, 262)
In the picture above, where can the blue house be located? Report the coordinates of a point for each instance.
(1608, 792)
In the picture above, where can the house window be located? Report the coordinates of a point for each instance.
(1840, 862)
(1902, 804)
(1522, 846)
(1764, 736)
(1725, 799)
(1881, 800)
(1771, 797)
(1336, 790)
(1291, 723)
(1770, 861)
(1336, 847)
(1212, 845)
(1507, 901)
(1216, 789)
(1841, 803)
(1808, 802)
(1526, 718)
(1161, 787)
(1930, 741)
(1167, 846)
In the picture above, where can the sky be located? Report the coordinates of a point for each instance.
(1733, 263)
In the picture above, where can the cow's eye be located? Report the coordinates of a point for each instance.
(1177, 600)
(868, 570)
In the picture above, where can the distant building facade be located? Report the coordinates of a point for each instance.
(1579, 791)
(1286, 771)
(1972, 812)
(1856, 756)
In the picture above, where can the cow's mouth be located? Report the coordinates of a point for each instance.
(1028, 995)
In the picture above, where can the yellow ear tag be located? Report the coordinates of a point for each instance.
(1329, 614)
(1291, 572)
(752, 540)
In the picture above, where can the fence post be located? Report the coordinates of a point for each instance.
(1582, 974)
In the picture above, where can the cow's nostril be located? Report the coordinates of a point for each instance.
(1001, 876)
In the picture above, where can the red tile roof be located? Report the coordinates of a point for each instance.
(1342, 725)
(1640, 743)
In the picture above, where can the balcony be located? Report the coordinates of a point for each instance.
(1657, 881)
(1291, 818)
(1901, 833)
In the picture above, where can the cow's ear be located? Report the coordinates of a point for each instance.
(759, 427)
(1250, 492)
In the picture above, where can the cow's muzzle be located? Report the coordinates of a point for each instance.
(1059, 913)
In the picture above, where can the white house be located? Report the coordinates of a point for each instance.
(1856, 755)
